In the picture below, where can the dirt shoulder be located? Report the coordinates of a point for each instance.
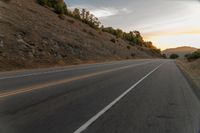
(192, 69)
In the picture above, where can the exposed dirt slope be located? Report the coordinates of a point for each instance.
(34, 36)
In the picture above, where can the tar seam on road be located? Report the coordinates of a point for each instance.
(100, 113)
(45, 85)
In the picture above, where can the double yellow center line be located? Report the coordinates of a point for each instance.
(51, 84)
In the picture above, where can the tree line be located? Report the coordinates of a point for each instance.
(58, 5)
(133, 37)
(83, 15)
(86, 17)
(190, 57)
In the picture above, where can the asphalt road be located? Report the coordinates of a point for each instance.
(134, 96)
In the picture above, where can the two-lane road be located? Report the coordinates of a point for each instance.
(134, 96)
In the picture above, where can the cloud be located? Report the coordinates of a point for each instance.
(104, 12)
(155, 19)
(125, 10)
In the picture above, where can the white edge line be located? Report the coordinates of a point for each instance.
(100, 113)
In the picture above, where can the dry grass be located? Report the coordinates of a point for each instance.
(34, 36)
(192, 69)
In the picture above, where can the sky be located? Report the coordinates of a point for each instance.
(167, 23)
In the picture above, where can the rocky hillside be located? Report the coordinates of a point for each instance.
(181, 51)
(34, 36)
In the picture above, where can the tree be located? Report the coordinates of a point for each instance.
(76, 13)
(149, 44)
(59, 5)
(83, 14)
(174, 56)
(193, 56)
(60, 8)
(91, 18)
(42, 2)
(96, 22)
(119, 33)
(130, 37)
(139, 38)
(87, 16)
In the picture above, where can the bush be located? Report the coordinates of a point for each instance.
(43, 2)
(60, 8)
(71, 21)
(61, 16)
(195, 55)
(164, 56)
(113, 40)
(128, 47)
(133, 55)
(174, 56)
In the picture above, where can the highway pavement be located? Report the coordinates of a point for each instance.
(132, 96)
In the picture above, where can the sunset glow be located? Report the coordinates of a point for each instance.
(167, 23)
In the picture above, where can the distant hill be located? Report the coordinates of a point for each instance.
(181, 51)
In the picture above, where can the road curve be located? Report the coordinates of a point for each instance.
(134, 96)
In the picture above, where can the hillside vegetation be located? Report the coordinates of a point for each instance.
(35, 34)
(133, 37)
(191, 65)
(180, 51)
(193, 56)
(192, 69)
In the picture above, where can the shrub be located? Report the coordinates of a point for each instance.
(113, 40)
(90, 33)
(156, 50)
(59, 7)
(164, 56)
(42, 2)
(128, 47)
(132, 54)
(133, 37)
(71, 21)
(195, 55)
(61, 16)
(174, 56)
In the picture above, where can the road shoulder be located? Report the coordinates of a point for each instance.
(191, 76)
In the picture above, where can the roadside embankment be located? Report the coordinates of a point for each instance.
(192, 69)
